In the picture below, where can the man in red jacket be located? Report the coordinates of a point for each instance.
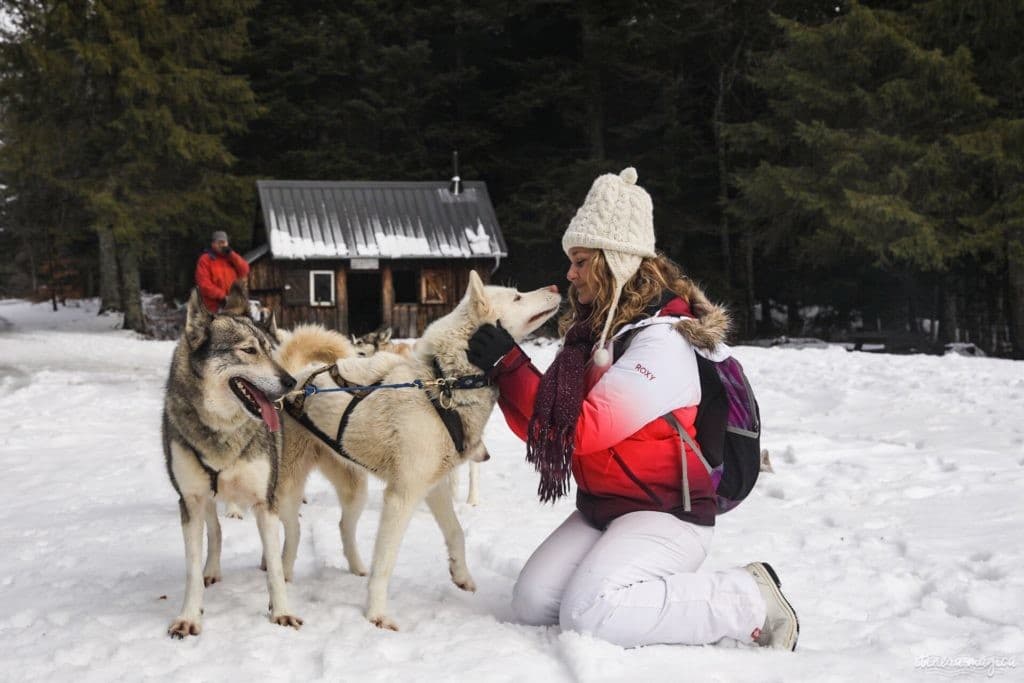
(217, 269)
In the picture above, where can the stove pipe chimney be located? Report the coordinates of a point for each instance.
(456, 186)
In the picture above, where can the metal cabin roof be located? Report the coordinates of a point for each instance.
(325, 219)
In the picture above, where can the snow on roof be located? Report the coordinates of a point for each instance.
(318, 219)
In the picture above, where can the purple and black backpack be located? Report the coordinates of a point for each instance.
(728, 429)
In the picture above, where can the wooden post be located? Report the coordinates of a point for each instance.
(387, 298)
(341, 297)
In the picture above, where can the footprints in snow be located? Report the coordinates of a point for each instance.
(980, 565)
(989, 573)
(13, 379)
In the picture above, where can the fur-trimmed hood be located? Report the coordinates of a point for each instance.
(710, 323)
(703, 324)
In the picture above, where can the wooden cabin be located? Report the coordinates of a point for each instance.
(357, 256)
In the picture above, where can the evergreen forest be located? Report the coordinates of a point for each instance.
(821, 167)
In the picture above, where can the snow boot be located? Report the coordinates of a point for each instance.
(781, 627)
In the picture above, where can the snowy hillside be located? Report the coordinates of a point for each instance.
(893, 517)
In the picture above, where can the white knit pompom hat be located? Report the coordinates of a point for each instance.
(617, 217)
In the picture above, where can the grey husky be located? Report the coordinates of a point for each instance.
(222, 441)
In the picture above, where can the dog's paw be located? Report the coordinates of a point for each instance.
(180, 628)
(357, 567)
(211, 579)
(234, 511)
(383, 622)
(263, 563)
(466, 584)
(287, 620)
(461, 577)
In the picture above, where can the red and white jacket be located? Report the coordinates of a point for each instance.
(626, 458)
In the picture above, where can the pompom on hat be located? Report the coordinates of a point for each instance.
(617, 217)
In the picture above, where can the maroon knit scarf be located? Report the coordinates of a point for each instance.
(549, 441)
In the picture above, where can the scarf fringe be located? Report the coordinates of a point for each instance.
(552, 429)
(550, 453)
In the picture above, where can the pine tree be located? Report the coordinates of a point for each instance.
(146, 94)
(365, 90)
(855, 155)
(990, 157)
(41, 125)
(162, 85)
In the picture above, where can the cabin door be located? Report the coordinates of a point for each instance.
(364, 302)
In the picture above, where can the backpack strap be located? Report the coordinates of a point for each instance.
(686, 440)
(622, 340)
(620, 344)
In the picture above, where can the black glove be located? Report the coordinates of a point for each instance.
(226, 250)
(488, 346)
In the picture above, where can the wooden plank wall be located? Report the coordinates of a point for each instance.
(264, 275)
(387, 299)
(405, 321)
(266, 282)
(341, 298)
(409, 320)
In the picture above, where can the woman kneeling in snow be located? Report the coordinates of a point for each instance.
(623, 566)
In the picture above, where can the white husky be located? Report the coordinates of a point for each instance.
(398, 434)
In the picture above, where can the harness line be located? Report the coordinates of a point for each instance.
(447, 385)
(443, 403)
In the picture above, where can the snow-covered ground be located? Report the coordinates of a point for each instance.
(894, 519)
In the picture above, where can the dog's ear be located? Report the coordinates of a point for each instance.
(281, 336)
(237, 302)
(271, 324)
(479, 304)
(197, 321)
(384, 335)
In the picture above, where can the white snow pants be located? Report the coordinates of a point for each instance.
(636, 583)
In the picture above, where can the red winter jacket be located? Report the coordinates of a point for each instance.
(627, 458)
(215, 273)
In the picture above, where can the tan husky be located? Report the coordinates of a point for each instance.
(397, 434)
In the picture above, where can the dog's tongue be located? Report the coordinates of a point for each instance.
(268, 412)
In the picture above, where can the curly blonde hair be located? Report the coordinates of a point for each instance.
(653, 277)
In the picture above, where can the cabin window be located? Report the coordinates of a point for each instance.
(433, 289)
(321, 288)
(405, 284)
